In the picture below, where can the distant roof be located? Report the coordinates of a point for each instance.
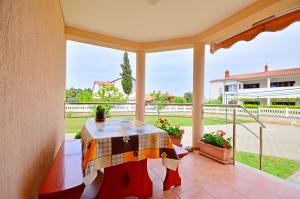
(101, 83)
(148, 98)
(121, 78)
(272, 73)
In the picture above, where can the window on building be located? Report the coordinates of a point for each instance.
(251, 102)
(226, 88)
(284, 103)
(231, 88)
(282, 84)
(249, 86)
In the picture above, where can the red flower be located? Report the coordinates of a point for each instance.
(161, 120)
(222, 133)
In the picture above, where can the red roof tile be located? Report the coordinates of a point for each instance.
(273, 73)
(100, 83)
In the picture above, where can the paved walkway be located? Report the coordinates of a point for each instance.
(69, 136)
(295, 178)
(278, 140)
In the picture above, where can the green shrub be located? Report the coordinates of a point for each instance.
(270, 106)
(77, 135)
(213, 102)
(216, 101)
(100, 108)
(249, 99)
(96, 109)
(179, 100)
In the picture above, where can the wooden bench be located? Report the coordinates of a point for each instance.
(65, 177)
(180, 151)
(172, 177)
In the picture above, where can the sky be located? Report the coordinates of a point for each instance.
(172, 71)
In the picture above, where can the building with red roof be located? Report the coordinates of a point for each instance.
(280, 87)
(118, 84)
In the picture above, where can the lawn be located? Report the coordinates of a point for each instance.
(73, 125)
(280, 167)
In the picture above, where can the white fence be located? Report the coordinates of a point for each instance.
(87, 108)
(274, 112)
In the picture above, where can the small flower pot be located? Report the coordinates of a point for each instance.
(100, 116)
(176, 140)
(219, 154)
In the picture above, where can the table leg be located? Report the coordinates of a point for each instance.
(127, 179)
(172, 179)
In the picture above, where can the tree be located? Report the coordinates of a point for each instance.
(71, 95)
(78, 95)
(179, 100)
(216, 101)
(85, 96)
(109, 93)
(158, 99)
(220, 99)
(126, 75)
(188, 97)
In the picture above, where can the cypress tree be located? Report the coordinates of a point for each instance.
(126, 75)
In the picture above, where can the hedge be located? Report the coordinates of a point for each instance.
(270, 106)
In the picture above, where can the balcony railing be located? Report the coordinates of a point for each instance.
(276, 92)
(231, 113)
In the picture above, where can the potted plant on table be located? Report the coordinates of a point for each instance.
(100, 113)
(214, 145)
(175, 132)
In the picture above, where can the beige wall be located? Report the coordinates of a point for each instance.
(32, 87)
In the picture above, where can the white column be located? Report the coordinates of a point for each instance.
(268, 86)
(268, 101)
(198, 91)
(140, 85)
(268, 83)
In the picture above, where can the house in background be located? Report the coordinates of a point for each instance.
(118, 84)
(271, 87)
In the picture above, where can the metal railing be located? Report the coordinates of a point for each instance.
(232, 109)
(234, 122)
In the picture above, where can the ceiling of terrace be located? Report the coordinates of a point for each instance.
(148, 20)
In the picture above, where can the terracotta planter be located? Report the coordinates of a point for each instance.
(220, 154)
(176, 140)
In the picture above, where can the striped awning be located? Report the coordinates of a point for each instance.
(271, 24)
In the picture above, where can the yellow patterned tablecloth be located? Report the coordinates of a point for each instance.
(116, 141)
